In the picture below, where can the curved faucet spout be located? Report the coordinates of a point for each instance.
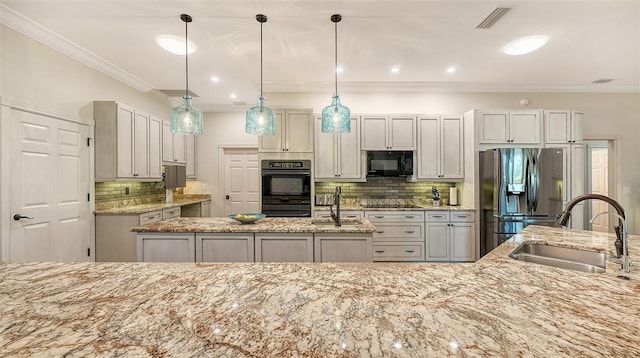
(564, 218)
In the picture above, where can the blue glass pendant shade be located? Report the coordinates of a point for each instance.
(336, 118)
(186, 119)
(260, 119)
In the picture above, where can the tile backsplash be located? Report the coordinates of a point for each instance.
(115, 193)
(386, 188)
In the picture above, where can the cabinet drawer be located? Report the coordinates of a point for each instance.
(398, 232)
(394, 216)
(170, 213)
(151, 217)
(345, 214)
(409, 252)
(462, 216)
(437, 216)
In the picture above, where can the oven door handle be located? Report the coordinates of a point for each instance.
(286, 172)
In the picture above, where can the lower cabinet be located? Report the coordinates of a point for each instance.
(114, 240)
(399, 235)
(166, 247)
(213, 247)
(279, 247)
(450, 236)
(343, 248)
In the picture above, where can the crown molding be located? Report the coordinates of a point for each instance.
(30, 28)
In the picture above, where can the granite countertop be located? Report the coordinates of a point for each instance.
(418, 207)
(147, 208)
(280, 225)
(494, 307)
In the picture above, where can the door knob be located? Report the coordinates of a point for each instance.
(17, 217)
(226, 197)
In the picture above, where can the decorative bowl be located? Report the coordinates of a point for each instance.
(247, 218)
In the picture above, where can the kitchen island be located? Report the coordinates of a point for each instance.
(496, 306)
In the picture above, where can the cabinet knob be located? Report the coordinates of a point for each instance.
(135, 175)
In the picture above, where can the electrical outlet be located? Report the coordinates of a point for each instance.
(126, 190)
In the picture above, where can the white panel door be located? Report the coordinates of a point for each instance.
(299, 132)
(125, 128)
(374, 133)
(274, 143)
(493, 127)
(600, 185)
(242, 182)
(49, 186)
(524, 127)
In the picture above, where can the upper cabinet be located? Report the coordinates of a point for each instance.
(127, 143)
(440, 147)
(294, 133)
(338, 156)
(388, 132)
(174, 146)
(563, 126)
(509, 127)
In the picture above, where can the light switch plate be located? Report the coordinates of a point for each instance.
(626, 190)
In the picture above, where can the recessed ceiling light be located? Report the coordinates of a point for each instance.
(215, 79)
(339, 69)
(395, 70)
(175, 44)
(524, 45)
(451, 69)
(233, 95)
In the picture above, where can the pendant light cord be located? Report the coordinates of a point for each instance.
(336, 55)
(186, 54)
(261, 59)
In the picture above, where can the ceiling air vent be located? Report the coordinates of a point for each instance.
(493, 17)
(177, 93)
(603, 80)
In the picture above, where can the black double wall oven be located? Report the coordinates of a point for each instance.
(286, 188)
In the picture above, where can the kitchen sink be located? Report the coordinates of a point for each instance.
(561, 257)
(329, 221)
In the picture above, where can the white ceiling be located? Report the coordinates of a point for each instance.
(589, 40)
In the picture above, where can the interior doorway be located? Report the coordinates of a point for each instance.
(599, 166)
(241, 175)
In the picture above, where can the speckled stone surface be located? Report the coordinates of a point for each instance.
(392, 205)
(496, 307)
(281, 225)
(147, 208)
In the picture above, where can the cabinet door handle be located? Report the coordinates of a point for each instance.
(379, 216)
(135, 175)
(462, 216)
(409, 251)
(409, 216)
(409, 231)
(352, 216)
(379, 251)
(380, 232)
(437, 216)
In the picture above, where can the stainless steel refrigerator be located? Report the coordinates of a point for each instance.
(519, 187)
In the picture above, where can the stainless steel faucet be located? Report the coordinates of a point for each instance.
(625, 261)
(336, 216)
(622, 240)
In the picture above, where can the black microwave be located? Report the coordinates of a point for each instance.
(389, 163)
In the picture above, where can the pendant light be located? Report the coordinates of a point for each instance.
(336, 118)
(260, 119)
(186, 119)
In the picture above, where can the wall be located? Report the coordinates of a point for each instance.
(36, 74)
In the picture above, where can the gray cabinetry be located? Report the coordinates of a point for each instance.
(450, 236)
(286, 247)
(342, 248)
(223, 247)
(126, 143)
(166, 247)
(399, 235)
